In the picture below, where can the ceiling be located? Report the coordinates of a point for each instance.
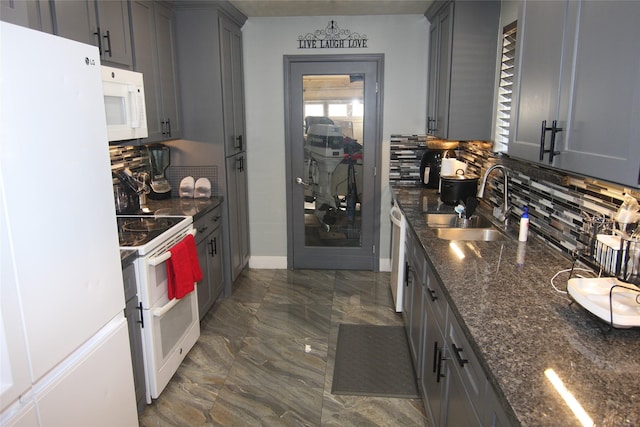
(330, 7)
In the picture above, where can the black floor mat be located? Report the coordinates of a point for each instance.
(373, 361)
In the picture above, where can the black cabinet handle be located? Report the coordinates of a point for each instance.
(108, 38)
(439, 373)
(435, 355)
(543, 133)
(407, 268)
(432, 294)
(554, 129)
(165, 128)
(141, 321)
(431, 124)
(215, 246)
(240, 142)
(211, 251)
(456, 352)
(552, 149)
(98, 34)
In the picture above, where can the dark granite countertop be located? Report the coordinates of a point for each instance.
(520, 326)
(183, 206)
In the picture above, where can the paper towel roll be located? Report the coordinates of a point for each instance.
(450, 166)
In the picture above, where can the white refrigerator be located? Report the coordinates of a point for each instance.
(64, 346)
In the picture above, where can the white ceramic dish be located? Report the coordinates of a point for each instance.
(186, 187)
(593, 295)
(202, 189)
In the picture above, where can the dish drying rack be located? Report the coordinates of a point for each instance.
(613, 251)
(616, 254)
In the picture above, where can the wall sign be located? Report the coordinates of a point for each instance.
(332, 37)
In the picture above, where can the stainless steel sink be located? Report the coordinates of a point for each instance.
(483, 234)
(450, 220)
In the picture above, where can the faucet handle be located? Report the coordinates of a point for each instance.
(500, 213)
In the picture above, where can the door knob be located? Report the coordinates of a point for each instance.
(301, 182)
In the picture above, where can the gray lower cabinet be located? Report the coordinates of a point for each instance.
(154, 49)
(105, 24)
(412, 305)
(465, 377)
(454, 386)
(462, 65)
(238, 211)
(133, 313)
(564, 76)
(494, 415)
(432, 376)
(209, 247)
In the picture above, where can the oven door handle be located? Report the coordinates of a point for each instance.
(165, 256)
(161, 311)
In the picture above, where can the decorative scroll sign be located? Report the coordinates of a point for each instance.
(332, 37)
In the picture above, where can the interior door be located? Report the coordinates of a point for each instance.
(332, 146)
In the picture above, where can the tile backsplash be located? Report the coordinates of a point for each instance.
(558, 201)
(136, 159)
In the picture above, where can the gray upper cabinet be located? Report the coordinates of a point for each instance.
(154, 48)
(34, 14)
(539, 44)
(232, 85)
(100, 23)
(578, 67)
(462, 67)
(603, 131)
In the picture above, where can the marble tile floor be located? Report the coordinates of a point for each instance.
(265, 356)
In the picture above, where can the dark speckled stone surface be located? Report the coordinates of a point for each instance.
(520, 326)
(183, 206)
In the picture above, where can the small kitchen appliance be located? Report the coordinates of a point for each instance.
(458, 188)
(124, 104)
(160, 159)
(431, 161)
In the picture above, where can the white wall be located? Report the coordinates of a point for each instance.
(403, 39)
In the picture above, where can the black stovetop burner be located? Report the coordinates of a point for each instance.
(138, 230)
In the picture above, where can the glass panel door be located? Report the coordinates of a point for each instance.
(333, 113)
(333, 159)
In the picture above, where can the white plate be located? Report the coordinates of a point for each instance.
(593, 295)
(202, 189)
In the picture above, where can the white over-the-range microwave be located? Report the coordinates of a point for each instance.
(124, 104)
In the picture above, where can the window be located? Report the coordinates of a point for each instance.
(314, 110)
(505, 88)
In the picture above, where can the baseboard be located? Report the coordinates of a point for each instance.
(385, 264)
(268, 262)
(280, 262)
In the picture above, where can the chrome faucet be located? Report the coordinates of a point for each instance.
(499, 212)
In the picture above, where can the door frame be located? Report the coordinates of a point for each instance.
(378, 60)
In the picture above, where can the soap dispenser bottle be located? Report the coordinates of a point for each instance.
(524, 225)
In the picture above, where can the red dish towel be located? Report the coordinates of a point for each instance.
(183, 268)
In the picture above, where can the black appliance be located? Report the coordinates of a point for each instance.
(458, 188)
(431, 163)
